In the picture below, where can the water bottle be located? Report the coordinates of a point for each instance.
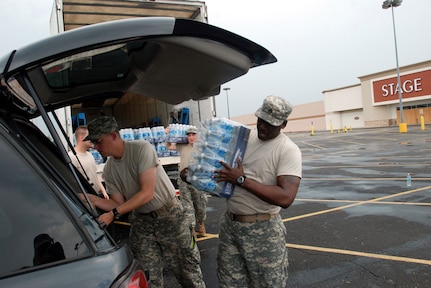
(409, 180)
(217, 150)
(136, 134)
(96, 155)
(204, 184)
(127, 134)
(201, 171)
(147, 134)
(210, 160)
(217, 135)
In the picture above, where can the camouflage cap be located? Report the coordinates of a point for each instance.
(192, 129)
(274, 110)
(101, 126)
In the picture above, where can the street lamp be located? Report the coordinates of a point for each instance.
(391, 4)
(227, 101)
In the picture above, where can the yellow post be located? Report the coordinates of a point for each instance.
(422, 122)
(330, 126)
(312, 130)
(403, 127)
(345, 129)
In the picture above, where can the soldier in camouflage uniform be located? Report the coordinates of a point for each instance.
(137, 183)
(193, 200)
(252, 238)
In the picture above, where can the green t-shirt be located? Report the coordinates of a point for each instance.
(122, 175)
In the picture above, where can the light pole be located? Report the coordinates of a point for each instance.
(227, 100)
(391, 4)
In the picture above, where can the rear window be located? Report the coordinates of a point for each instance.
(99, 65)
(35, 228)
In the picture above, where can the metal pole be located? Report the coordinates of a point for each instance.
(227, 101)
(386, 4)
(400, 93)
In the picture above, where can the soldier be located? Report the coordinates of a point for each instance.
(86, 164)
(194, 200)
(137, 182)
(252, 239)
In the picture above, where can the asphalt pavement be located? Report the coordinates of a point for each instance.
(355, 222)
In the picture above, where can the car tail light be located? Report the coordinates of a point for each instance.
(133, 277)
(138, 280)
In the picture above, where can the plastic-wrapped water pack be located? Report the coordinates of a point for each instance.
(219, 139)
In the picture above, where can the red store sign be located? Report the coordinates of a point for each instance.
(412, 85)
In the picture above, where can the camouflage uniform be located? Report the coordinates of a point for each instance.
(151, 240)
(265, 258)
(159, 232)
(252, 248)
(194, 202)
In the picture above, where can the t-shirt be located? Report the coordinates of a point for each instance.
(264, 161)
(90, 167)
(122, 175)
(185, 151)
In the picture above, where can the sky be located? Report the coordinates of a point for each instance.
(319, 45)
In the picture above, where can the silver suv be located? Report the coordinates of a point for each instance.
(48, 236)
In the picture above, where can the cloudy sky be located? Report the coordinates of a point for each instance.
(320, 45)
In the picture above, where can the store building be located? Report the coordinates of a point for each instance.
(374, 102)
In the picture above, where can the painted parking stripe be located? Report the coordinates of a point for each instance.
(362, 178)
(355, 204)
(313, 145)
(357, 201)
(360, 254)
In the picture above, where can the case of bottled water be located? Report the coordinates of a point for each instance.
(220, 139)
(177, 133)
(96, 155)
(159, 134)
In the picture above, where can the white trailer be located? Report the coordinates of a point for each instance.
(130, 110)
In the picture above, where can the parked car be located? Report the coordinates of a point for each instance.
(48, 236)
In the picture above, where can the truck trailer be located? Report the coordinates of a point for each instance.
(130, 109)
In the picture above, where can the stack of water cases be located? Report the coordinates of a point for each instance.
(159, 137)
(129, 134)
(177, 134)
(219, 139)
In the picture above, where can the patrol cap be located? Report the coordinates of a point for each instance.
(274, 110)
(191, 129)
(101, 126)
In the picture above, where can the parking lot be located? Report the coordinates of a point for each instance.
(355, 222)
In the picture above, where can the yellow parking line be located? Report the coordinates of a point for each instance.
(361, 254)
(350, 142)
(357, 201)
(355, 204)
(315, 146)
(362, 178)
(207, 237)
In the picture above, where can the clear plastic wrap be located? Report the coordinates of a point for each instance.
(219, 139)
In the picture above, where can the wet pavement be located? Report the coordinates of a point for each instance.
(355, 222)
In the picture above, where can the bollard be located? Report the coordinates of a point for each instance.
(312, 130)
(403, 127)
(422, 122)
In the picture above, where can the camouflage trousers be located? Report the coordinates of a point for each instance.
(194, 202)
(252, 254)
(167, 239)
